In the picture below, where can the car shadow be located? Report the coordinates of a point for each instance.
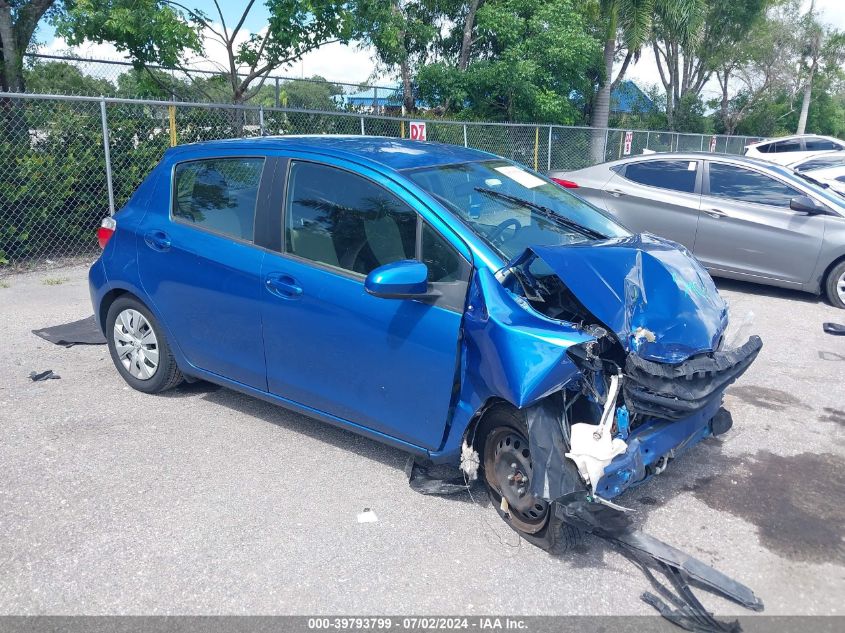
(316, 429)
(749, 287)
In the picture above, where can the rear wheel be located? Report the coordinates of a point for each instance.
(507, 472)
(138, 347)
(835, 285)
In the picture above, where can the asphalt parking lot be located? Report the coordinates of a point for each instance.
(207, 501)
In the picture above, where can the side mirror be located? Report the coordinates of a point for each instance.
(806, 204)
(405, 279)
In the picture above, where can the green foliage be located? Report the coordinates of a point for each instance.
(164, 32)
(690, 115)
(531, 57)
(151, 31)
(64, 78)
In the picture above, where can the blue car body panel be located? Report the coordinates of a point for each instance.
(645, 283)
(405, 372)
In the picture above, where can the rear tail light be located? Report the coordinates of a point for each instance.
(566, 183)
(106, 230)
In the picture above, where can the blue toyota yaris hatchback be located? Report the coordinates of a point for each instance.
(443, 300)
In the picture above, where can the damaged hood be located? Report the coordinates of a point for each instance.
(660, 302)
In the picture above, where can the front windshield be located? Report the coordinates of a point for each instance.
(512, 208)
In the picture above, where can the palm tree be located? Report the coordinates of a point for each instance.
(628, 25)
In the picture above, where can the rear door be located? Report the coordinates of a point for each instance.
(385, 364)
(201, 267)
(747, 227)
(659, 196)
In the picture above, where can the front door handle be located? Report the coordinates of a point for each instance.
(283, 286)
(715, 213)
(157, 240)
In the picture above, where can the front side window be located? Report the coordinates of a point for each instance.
(338, 218)
(677, 175)
(745, 185)
(511, 208)
(820, 144)
(218, 194)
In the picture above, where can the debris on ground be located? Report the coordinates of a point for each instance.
(367, 516)
(39, 376)
(81, 332)
(436, 480)
(837, 329)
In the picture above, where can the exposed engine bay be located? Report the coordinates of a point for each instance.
(628, 411)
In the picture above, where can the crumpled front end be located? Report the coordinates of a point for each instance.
(615, 351)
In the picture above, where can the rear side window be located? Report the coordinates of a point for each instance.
(338, 218)
(765, 149)
(218, 194)
(745, 185)
(820, 144)
(677, 175)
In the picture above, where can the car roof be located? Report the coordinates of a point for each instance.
(734, 158)
(791, 137)
(395, 153)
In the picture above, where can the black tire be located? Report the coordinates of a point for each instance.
(830, 285)
(546, 531)
(166, 374)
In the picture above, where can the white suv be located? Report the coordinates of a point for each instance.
(790, 149)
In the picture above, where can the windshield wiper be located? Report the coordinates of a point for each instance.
(546, 212)
(818, 183)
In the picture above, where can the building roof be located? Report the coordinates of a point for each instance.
(627, 98)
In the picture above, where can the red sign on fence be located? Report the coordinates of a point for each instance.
(417, 130)
(629, 138)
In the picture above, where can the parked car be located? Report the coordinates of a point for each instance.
(818, 161)
(788, 149)
(742, 218)
(439, 299)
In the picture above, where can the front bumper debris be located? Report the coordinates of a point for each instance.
(676, 391)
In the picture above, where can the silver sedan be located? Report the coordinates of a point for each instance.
(741, 217)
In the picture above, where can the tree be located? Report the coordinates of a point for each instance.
(18, 21)
(821, 47)
(528, 59)
(629, 23)
(164, 31)
(402, 32)
(64, 78)
(690, 46)
(756, 67)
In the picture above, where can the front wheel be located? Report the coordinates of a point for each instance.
(835, 285)
(138, 347)
(507, 472)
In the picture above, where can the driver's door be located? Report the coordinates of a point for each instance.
(384, 364)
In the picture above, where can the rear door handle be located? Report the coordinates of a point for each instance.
(715, 213)
(616, 192)
(283, 286)
(157, 240)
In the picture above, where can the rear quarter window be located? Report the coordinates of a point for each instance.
(218, 195)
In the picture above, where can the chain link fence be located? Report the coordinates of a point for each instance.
(69, 161)
(77, 76)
